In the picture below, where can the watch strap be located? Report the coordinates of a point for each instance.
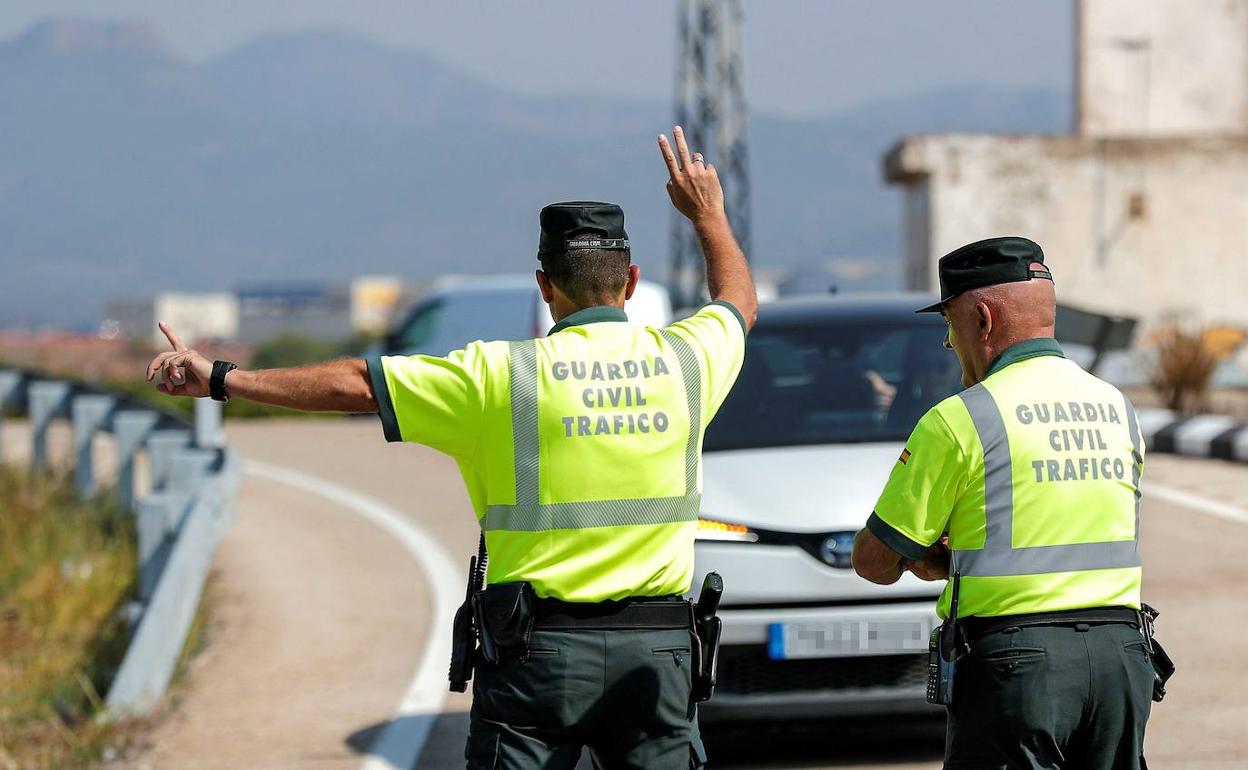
(216, 383)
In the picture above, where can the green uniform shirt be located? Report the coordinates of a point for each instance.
(1034, 473)
(581, 451)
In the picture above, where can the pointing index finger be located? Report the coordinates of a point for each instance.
(668, 157)
(171, 336)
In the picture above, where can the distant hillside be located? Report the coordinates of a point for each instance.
(124, 170)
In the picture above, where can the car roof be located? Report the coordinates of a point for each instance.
(806, 308)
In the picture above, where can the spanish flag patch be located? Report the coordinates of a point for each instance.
(905, 456)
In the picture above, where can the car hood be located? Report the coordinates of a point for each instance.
(821, 488)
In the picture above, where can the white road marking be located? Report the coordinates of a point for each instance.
(1196, 502)
(400, 743)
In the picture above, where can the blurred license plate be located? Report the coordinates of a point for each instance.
(837, 638)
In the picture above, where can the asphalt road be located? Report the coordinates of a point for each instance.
(1195, 573)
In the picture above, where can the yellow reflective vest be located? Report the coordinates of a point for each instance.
(1035, 475)
(581, 451)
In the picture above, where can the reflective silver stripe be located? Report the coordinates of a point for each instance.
(524, 431)
(529, 514)
(1044, 559)
(592, 513)
(692, 376)
(1137, 467)
(998, 556)
(998, 473)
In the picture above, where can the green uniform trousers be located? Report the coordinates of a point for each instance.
(1073, 697)
(623, 693)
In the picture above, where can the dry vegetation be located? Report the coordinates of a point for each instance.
(1186, 359)
(66, 569)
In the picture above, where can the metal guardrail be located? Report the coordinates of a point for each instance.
(194, 477)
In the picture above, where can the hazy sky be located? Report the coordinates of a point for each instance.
(802, 57)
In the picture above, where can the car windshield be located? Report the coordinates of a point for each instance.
(835, 382)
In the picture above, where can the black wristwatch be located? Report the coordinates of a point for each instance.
(216, 383)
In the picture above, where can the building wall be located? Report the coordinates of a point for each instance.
(374, 300)
(196, 317)
(1161, 67)
(1135, 227)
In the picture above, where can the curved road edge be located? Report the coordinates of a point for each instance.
(400, 743)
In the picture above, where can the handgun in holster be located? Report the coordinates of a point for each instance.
(1163, 666)
(465, 631)
(707, 629)
(945, 647)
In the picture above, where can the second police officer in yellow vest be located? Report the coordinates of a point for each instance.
(1033, 474)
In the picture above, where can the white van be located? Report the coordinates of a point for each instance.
(462, 309)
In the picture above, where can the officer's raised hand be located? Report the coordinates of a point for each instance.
(185, 372)
(695, 192)
(694, 185)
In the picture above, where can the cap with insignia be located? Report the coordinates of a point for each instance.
(987, 263)
(581, 225)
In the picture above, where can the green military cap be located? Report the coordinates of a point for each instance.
(987, 263)
(573, 225)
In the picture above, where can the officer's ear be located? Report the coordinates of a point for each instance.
(546, 287)
(634, 275)
(984, 315)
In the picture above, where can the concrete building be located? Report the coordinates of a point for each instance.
(1143, 209)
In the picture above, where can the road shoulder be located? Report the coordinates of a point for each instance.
(316, 628)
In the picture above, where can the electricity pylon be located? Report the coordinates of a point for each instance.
(710, 106)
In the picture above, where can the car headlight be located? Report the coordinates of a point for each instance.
(711, 529)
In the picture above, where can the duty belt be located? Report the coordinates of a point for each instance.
(976, 628)
(641, 613)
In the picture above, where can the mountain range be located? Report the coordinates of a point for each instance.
(316, 156)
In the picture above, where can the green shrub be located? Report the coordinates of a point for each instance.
(66, 570)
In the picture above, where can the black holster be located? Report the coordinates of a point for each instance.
(706, 630)
(1163, 666)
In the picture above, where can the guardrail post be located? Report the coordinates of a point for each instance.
(158, 517)
(161, 445)
(46, 400)
(90, 415)
(189, 467)
(208, 433)
(131, 428)
(11, 397)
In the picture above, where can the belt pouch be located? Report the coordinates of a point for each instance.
(504, 613)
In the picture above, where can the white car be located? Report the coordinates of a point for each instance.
(461, 309)
(793, 465)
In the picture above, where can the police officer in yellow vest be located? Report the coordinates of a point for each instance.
(581, 453)
(1026, 487)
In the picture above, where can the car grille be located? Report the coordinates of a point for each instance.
(746, 670)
